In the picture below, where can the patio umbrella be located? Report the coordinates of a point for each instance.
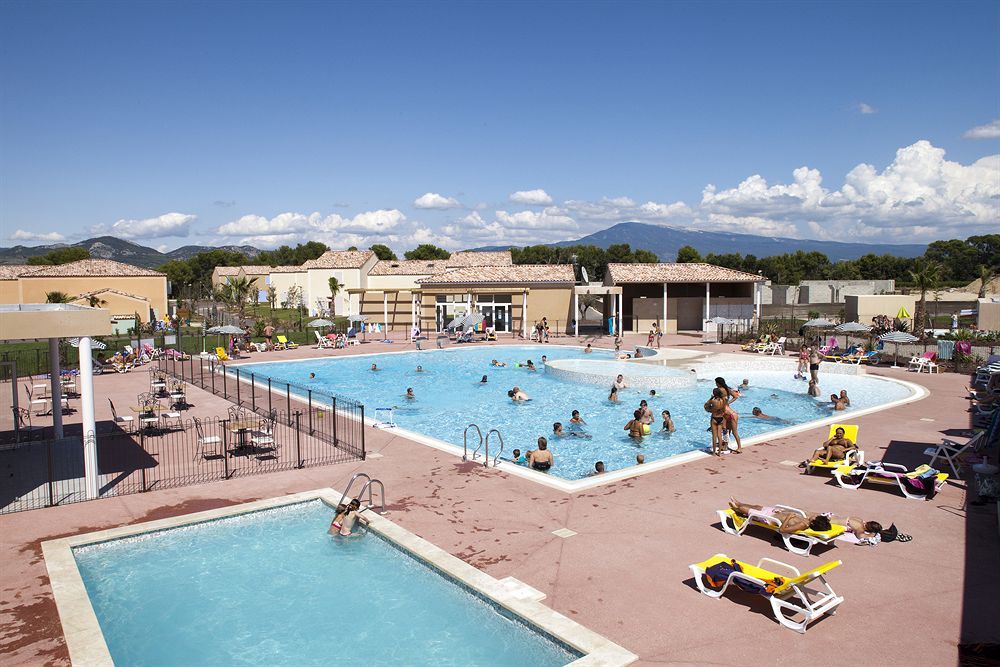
(851, 327)
(319, 323)
(897, 337)
(361, 319)
(94, 344)
(473, 320)
(226, 329)
(456, 323)
(820, 323)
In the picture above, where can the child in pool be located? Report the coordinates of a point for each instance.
(668, 423)
(517, 457)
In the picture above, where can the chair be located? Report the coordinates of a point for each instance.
(178, 395)
(322, 342)
(777, 347)
(263, 436)
(149, 418)
(41, 403)
(926, 360)
(800, 542)
(22, 424)
(221, 354)
(855, 456)
(285, 344)
(206, 442)
(121, 419)
(892, 474)
(870, 357)
(952, 451)
(789, 591)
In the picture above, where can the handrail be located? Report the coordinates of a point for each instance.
(368, 487)
(347, 490)
(497, 457)
(465, 442)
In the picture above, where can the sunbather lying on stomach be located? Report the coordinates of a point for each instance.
(865, 532)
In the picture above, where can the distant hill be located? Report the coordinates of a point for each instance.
(110, 247)
(665, 241)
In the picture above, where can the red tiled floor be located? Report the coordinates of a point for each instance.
(625, 573)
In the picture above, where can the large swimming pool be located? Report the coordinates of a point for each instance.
(272, 588)
(450, 395)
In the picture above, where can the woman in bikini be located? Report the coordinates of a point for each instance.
(862, 532)
(337, 525)
(717, 407)
(732, 419)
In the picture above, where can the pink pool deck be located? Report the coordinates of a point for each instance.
(624, 573)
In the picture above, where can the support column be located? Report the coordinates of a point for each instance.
(758, 297)
(90, 470)
(663, 322)
(619, 323)
(56, 387)
(385, 313)
(576, 314)
(708, 295)
(524, 314)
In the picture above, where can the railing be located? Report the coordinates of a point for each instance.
(175, 453)
(329, 418)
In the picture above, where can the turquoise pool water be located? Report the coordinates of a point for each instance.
(449, 395)
(272, 588)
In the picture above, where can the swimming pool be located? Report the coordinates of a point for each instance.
(270, 587)
(450, 395)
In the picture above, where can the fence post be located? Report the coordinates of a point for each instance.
(142, 446)
(201, 367)
(288, 400)
(269, 408)
(253, 393)
(225, 382)
(333, 415)
(362, 432)
(310, 412)
(38, 363)
(48, 452)
(225, 448)
(298, 440)
(238, 401)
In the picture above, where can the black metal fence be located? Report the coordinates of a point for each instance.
(169, 453)
(332, 419)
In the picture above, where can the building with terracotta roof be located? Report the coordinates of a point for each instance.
(682, 297)
(349, 267)
(146, 289)
(479, 258)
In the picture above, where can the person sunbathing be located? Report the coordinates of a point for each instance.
(863, 532)
(836, 448)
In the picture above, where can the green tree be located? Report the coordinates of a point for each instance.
(957, 259)
(272, 296)
(56, 297)
(427, 251)
(985, 276)
(925, 275)
(237, 293)
(179, 273)
(335, 287)
(687, 254)
(288, 256)
(383, 252)
(60, 256)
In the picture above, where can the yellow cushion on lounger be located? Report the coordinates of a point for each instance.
(835, 529)
(922, 469)
(767, 575)
(851, 433)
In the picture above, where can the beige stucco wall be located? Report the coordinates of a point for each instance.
(10, 291)
(27, 325)
(118, 304)
(282, 282)
(554, 303)
(153, 288)
(862, 308)
(989, 315)
(394, 282)
(318, 286)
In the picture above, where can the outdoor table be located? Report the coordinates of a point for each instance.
(241, 427)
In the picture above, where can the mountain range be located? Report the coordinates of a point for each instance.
(111, 247)
(661, 240)
(666, 241)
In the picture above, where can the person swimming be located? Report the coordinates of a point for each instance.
(483, 381)
(516, 394)
(588, 349)
(613, 396)
(598, 469)
(836, 404)
(420, 369)
(530, 365)
(498, 364)
(640, 459)
(374, 367)
(557, 430)
(668, 422)
(517, 458)
(409, 393)
(635, 427)
(844, 398)
(541, 459)
(312, 376)
(575, 418)
(340, 519)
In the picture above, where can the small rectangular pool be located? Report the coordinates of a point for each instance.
(271, 587)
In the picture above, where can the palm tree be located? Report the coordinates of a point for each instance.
(335, 287)
(925, 276)
(95, 301)
(985, 276)
(57, 297)
(237, 293)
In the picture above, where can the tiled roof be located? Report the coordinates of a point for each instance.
(105, 290)
(408, 267)
(473, 258)
(518, 274)
(340, 259)
(678, 273)
(226, 270)
(14, 271)
(255, 269)
(286, 269)
(94, 268)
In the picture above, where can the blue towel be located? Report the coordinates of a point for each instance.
(945, 349)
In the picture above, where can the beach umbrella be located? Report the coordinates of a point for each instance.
(897, 337)
(227, 329)
(360, 319)
(473, 320)
(849, 328)
(820, 323)
(319, 323)
(94, 344)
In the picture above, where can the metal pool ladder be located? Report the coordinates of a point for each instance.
(367, 486)
(465, 442)
(497, 457)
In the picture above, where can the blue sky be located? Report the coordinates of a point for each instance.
(467, 124)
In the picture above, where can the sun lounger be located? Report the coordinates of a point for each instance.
(777, 347)
(221, 354)
(953, 451)
(924, 362)
(800, 542)
(285, 344)
(323, 342)
(921, 483)
(855, 456)
(797, 599)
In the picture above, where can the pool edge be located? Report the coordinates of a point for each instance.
(85, 639)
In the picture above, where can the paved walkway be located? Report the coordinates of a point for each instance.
(624, 574)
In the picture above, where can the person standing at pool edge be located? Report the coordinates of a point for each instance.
(814, 360)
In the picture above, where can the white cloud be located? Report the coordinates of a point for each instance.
(989, 131)
(866, 109)
(50, 237)
(168, 224)
(291, 228)
(619, 209)
(531, 197)
(433, 200)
